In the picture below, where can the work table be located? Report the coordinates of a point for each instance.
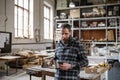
(50, 72)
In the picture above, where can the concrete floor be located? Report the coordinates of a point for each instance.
(21, 75)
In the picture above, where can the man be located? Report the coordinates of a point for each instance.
(70, 55)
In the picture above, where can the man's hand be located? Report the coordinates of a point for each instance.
(65, 66)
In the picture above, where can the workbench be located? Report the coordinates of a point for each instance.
(8, 58)
(43, 72)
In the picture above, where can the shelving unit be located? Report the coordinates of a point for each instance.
(95, 23)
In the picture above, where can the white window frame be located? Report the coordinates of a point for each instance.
(48, 27)
(23, 19)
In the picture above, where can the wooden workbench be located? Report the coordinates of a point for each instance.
(51, 72)
(9, 58)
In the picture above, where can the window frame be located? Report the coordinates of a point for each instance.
(49, 37)
(25, 26)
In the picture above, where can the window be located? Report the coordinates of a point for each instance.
(23, 24)
(48, 29)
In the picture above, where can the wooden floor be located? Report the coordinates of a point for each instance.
(21, 75)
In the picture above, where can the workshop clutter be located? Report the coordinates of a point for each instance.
(100, 68)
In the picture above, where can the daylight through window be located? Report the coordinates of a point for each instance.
(23, 24)
(48, 29)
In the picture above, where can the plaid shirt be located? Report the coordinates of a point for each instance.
(73, 53)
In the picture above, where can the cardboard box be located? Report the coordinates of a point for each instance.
(61, 4)
(111, 35)
(75, 13)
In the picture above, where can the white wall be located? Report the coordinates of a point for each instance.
(41, 46)
(7, 9)
(2, 15)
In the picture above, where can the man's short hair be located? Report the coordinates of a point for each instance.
(66, 26)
